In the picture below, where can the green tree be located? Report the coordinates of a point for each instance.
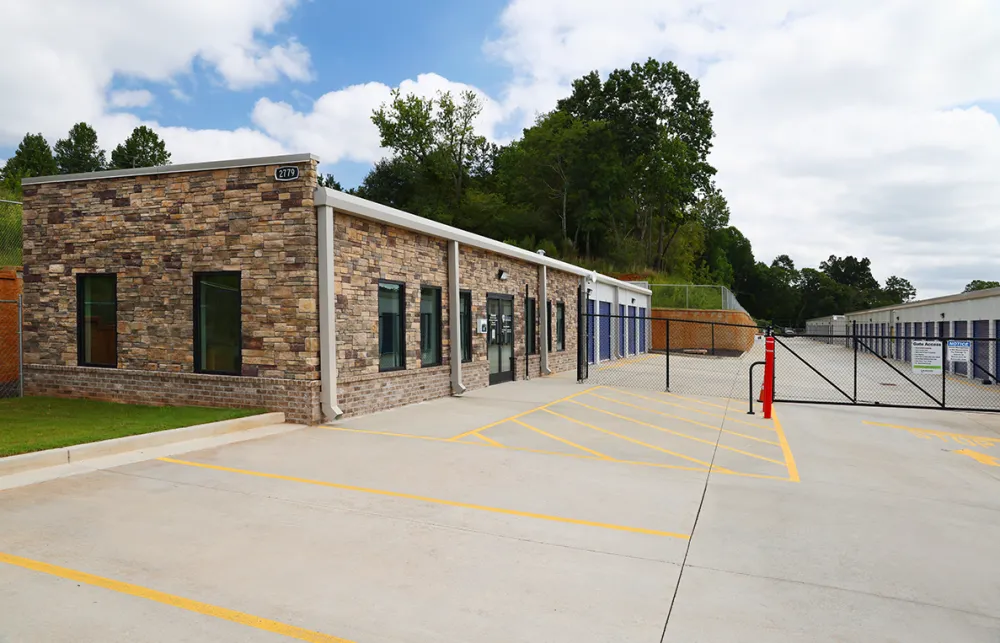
(32, 158)
(143, 148)
(979, 284)
(79, 152)
(898, 291)
(328, 181)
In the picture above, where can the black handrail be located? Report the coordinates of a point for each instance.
(750, 412)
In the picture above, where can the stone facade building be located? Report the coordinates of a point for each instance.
(243, 283)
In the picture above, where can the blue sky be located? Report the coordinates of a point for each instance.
(849, 127)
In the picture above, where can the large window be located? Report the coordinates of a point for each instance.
(560, 326)
(548, 323)
(97, 320)
(217, 323)
(391, 309)
(465, 316)
(531, 325)
(430, 326)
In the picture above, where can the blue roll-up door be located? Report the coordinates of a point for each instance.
(621, 330)
(631, 329)
(884, 343)
(605, 308)
(981, 349)
(899, 341)
(590, 331)
(907, 330)
(643, 325)
(929, 330)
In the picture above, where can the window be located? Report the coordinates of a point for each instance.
(430, 326)
(560, 326)
(548, 324)
(391, 309)
(217, 323)
(97, 320)
(465, 317)
(530, 326)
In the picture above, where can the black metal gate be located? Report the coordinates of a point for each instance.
(873, 365)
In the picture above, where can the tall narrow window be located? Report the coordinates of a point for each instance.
(465, 316)
(217, 323)
(530, 326)
(560, 326)
(548, 323)
(391, 310)
(97, 320)
(430, 326)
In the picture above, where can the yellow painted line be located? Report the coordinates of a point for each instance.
(793, 470)
(628, 439)
(197, 607)
(560, 454)
(563, 440)
(677, 433)
(488, 440)
(962, 438)
(520, 415)
(984, 458)
(691, 399)
(695, 422)
(688, 408)
(427, 499)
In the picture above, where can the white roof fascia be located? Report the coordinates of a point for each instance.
(171, 169)
(363, 208)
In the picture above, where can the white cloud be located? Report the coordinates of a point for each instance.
(68, 53)
(130, 98)
(339, 126)
(845, 127)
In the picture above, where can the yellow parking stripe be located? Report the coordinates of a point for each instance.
(487, 440)
(563, 440)
(677, 433)
(688, 408)
(628, 439)
(793, 470)
(684, 419)
(427, 499)
(691, 399)
(198, 607)
(520, 415)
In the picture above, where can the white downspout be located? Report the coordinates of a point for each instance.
(543, 335)
(327, 310)
(455, 319)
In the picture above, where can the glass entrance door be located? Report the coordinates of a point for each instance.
(500, 337)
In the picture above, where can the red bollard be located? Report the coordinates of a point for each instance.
(768, 376)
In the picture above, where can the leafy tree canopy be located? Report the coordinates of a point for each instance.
(143, 148)
(979, 284)
(79, 152)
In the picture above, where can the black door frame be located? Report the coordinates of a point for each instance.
(508, 375)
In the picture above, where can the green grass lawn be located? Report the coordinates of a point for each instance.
(37, 423)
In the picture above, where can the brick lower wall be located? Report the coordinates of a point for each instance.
(298, 400)
(380, 391)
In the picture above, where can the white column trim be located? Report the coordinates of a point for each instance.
(327, 315)
(455, 319)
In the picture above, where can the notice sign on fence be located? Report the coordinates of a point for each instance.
(927, 356)
(959, 350)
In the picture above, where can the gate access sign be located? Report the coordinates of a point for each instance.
(959, 350)
(927, 356)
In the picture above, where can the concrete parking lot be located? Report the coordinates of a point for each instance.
(535, 511)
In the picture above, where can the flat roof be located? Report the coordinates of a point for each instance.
(398, 218)
(172, 169)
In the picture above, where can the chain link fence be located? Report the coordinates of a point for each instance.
(10, 233)
(11, 349)
(694, 297)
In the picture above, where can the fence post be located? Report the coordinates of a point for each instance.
(854, 340)
(667, 330)
(687, 296)
(944, 369)
(20, 346)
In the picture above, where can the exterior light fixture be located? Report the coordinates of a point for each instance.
(942, 315)
(633, 300)
(503, 275)
(541, 252)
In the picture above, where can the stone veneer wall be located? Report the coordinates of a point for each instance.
(155, 232)
(366, 252)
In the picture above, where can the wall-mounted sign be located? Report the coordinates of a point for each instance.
(481, 326)
(959, 350)
(286, 173)
(927, 356)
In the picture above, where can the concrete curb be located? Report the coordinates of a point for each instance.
(65, 455)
